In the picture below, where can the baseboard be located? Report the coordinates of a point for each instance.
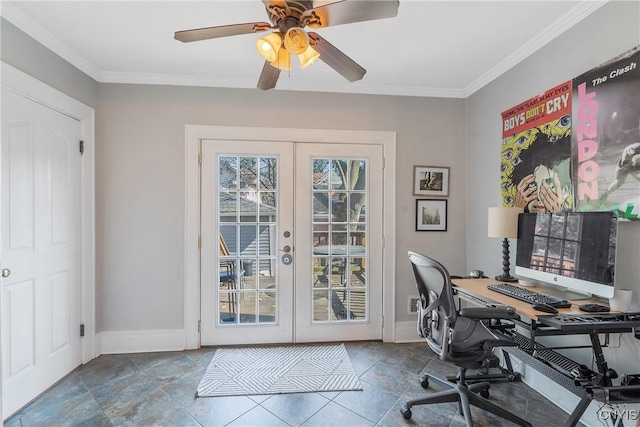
(115, 342)
(407, 332)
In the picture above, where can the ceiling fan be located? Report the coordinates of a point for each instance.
(288, 18)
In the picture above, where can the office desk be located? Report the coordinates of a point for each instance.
(476, 289)
(596, 385)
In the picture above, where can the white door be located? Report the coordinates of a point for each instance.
(247, 199)
(338, 242)
(40, 248)
(264, 280)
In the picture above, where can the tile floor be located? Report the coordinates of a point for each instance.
(158, 389)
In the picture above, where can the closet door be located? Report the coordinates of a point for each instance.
(40, 248)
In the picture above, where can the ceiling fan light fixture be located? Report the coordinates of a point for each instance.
(283, 61)
(296, 41)
(308, 57)
(269, 46)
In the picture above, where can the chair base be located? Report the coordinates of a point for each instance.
(484, 374)
(466, 396)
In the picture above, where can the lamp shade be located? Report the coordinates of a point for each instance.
(296, 41)
(308, 57)
(503, 222)
(269, 46)
(283, 61)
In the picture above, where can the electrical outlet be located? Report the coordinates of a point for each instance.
(412, 307)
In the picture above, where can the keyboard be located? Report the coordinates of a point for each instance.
(528, 295)
(600, 322)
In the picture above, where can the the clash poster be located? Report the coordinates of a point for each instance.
(535, 162)
(606, 137)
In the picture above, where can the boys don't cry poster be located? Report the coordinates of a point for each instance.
(535, 166)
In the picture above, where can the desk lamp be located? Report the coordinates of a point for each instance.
(503, 223)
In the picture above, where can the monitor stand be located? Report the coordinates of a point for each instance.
(570, 294)
(562, 292)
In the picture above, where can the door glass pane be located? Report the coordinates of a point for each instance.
(247, 172)
(339, 217)
(228, 172)
(247, 217)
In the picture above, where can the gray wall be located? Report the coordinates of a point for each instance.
(140, 160)
(29, 56)
(141, 180)
(611, 30)
(140, 173)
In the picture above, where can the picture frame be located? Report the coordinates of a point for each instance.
(431, 215)
(431, 181)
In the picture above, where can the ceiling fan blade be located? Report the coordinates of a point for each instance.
(220, 31)
(268, 77)
(345, 12)
(334, 58)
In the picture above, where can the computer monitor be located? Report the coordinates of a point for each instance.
(574, 250)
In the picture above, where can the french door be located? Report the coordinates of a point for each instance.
(267, 278)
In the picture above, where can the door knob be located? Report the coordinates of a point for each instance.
(6, 272)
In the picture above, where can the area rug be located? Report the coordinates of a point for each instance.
(276, 370)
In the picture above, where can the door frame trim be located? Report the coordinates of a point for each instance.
(27, 86)
(194, 134)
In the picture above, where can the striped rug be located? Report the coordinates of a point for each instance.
(275, 370)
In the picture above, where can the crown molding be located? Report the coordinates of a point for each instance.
(283, 84)
(48, 40)
(552, 31)
(548, 34)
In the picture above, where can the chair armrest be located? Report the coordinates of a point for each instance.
(489, 313)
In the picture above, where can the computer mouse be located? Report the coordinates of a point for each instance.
(544, 307)
(476, 274)
(593, 308)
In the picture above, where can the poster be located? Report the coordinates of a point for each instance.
(606, 137)
(535, 157)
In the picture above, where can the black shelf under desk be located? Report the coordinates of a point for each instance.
(584, 382)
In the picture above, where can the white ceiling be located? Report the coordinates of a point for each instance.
(432, 48)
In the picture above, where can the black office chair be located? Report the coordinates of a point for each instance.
(462, 337)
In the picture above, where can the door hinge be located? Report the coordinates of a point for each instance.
(82, 330)
(81, 147)
(199, 242)
(199, 325)
(200, 158)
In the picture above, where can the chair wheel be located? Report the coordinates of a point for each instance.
(484, 393)
(424, 382)
(406, 412)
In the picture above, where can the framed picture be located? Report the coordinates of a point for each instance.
(431, 181)
(431, 215)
